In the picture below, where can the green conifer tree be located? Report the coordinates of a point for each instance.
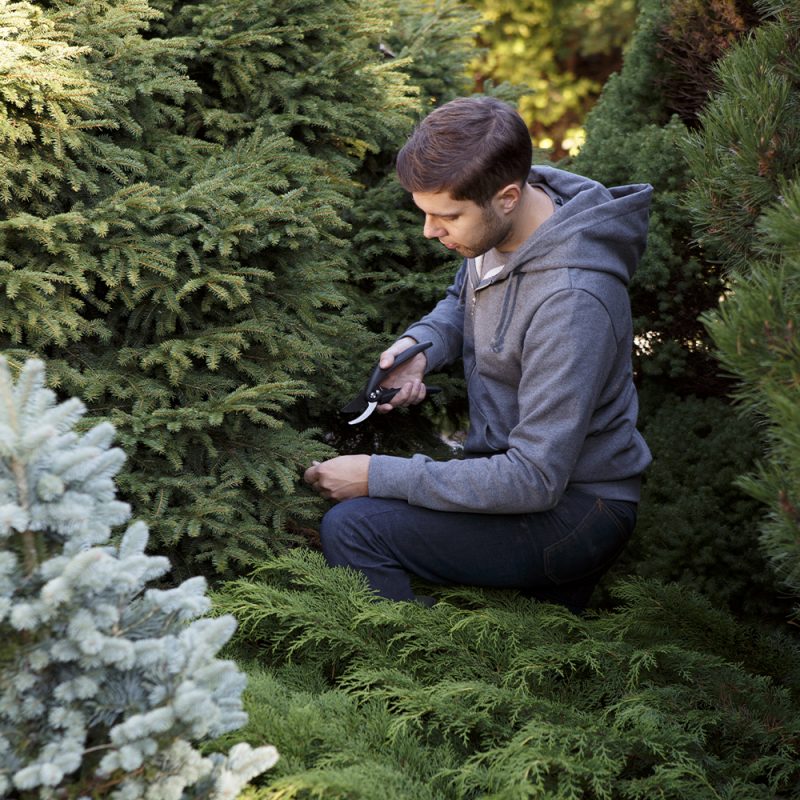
(746, 204)
(634, 134)
(695, 526)
(173, 237)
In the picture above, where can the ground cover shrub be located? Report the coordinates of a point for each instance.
(494, 695)
(107, 684)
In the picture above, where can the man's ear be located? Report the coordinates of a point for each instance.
(508, 197)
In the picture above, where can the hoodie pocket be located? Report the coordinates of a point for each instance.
(598, 531)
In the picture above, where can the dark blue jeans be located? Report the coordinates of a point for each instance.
(557, 555)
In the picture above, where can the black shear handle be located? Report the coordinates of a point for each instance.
(373, 390)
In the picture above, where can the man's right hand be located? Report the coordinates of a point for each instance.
(407, 377)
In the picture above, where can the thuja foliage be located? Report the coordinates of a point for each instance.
(106, 682)
(495, 695)
(746, 203)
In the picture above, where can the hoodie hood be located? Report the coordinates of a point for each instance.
(593, 227)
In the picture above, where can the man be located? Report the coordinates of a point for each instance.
(546, 497)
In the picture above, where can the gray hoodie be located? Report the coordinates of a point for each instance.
(547, 348)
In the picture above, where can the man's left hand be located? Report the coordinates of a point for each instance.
(339, 478)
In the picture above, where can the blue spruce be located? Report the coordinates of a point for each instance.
(106, 683)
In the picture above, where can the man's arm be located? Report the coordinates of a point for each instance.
(444, 325)
(344, 477)
(558, 393)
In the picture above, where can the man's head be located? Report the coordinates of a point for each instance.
(466, 166)
(470, 148)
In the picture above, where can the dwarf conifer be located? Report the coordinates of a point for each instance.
(106, 682)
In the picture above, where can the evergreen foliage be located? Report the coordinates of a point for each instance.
(493, 695)
(634, 135)
(106, 683)
(696, 527)
(694, 36)
(746, 204)
(180, 183)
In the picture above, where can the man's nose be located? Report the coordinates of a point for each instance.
(431, 230)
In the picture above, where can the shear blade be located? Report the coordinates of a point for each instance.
(361, 417)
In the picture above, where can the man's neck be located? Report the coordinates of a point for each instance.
(535, 206)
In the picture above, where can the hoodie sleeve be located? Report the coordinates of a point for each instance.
(566, 359)
(444, 326)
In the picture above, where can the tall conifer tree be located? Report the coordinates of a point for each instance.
(746, 204)
(695, 524)
(173, 237)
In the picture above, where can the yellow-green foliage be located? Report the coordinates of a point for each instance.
(175, 182)
(561, 51)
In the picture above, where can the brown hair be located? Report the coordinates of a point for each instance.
(470, 147)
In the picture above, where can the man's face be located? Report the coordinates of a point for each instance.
(462, 225)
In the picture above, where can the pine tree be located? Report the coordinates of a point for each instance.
(106, 683)
(745, 202)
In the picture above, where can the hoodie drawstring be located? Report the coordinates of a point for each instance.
(509, 303)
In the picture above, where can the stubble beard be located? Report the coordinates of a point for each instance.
(496, 230)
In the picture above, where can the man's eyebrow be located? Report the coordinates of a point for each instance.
(453, 213)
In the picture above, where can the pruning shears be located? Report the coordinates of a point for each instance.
(373, 394)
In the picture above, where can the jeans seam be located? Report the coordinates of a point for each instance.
(598, 506)
(609, 514)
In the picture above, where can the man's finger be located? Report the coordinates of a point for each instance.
(310, 474)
